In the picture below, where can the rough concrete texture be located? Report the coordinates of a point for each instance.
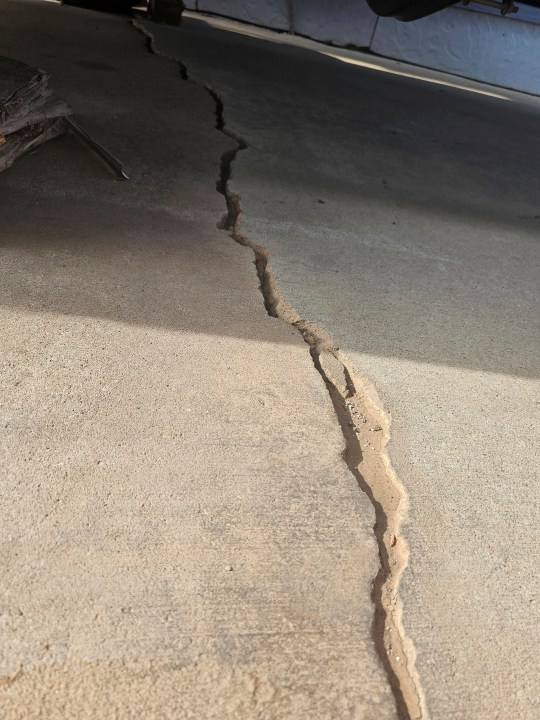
(402, 216)
(181, 537)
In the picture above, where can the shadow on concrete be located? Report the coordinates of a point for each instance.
(367, 143)
(429, 219)
(106, 257)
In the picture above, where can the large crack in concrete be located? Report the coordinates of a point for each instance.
(366, 430)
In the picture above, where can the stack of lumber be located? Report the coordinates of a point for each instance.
(30, 114)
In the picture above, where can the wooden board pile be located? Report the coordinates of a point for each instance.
(30, 114)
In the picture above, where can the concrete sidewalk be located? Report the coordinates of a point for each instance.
(181, 537)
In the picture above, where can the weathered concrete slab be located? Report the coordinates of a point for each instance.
(402, 216)
(180, 535)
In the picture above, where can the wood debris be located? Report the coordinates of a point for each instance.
(30, 114)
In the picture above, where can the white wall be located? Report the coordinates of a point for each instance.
(486, 47)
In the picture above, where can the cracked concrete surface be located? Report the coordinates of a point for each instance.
(401, 215)
(181, 536)
(186, 535)
(359, 413)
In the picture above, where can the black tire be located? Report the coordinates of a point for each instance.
(114, 6)
(408, 10)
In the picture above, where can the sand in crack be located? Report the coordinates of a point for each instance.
(365, 456)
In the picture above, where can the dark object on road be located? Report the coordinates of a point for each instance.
(166, 11)
(30, 114)
(408, 10)
(115, 6)
(162, 11)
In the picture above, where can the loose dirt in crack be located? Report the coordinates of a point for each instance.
(365, 427)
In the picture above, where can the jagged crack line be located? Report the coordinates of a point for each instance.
(365, 428)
